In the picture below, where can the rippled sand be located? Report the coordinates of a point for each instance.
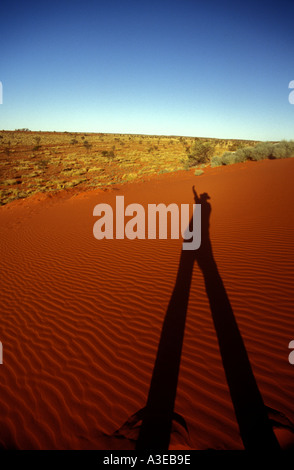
(81, 319)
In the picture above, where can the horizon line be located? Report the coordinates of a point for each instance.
(135, 134)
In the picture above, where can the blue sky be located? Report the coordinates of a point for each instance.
(185, 67)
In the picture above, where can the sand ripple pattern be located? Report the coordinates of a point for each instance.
(81, 318)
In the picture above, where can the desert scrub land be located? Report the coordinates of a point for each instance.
(41, 162)
(261, 151)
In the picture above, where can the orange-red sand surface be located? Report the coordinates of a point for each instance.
(81, 319)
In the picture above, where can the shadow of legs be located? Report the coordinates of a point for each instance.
(255, 428)
(159, 412)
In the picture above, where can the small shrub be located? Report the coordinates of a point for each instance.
(10, 182)
(283, 149)
(43, 163)
(200, 152)
(246, 153)
(129, 176)
(215, 161)
(290, 147)
(228, 158)
(87, 145)
(239, 157)
(108, 153)
(279, 151)
(198, 172)
(37, 146)
(262, 150)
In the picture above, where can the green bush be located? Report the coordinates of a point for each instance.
(239, 157)
(215, 161)
(279, 151)
(246, 153)
(263, 150)
(200, 152)
(228, 158)
(290, 148)
(283, 149)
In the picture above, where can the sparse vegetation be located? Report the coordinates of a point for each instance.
(37, 146)
(261, 151)
(108, 153)
(62, 164)
(87, 144)
(283, 149)
(43, 163)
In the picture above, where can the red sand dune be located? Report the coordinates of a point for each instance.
(81, 319)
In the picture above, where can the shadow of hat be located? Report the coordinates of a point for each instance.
(204, 197)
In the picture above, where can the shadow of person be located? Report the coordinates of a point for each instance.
(158, 415)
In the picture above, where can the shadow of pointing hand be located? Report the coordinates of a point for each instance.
(205, 208)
